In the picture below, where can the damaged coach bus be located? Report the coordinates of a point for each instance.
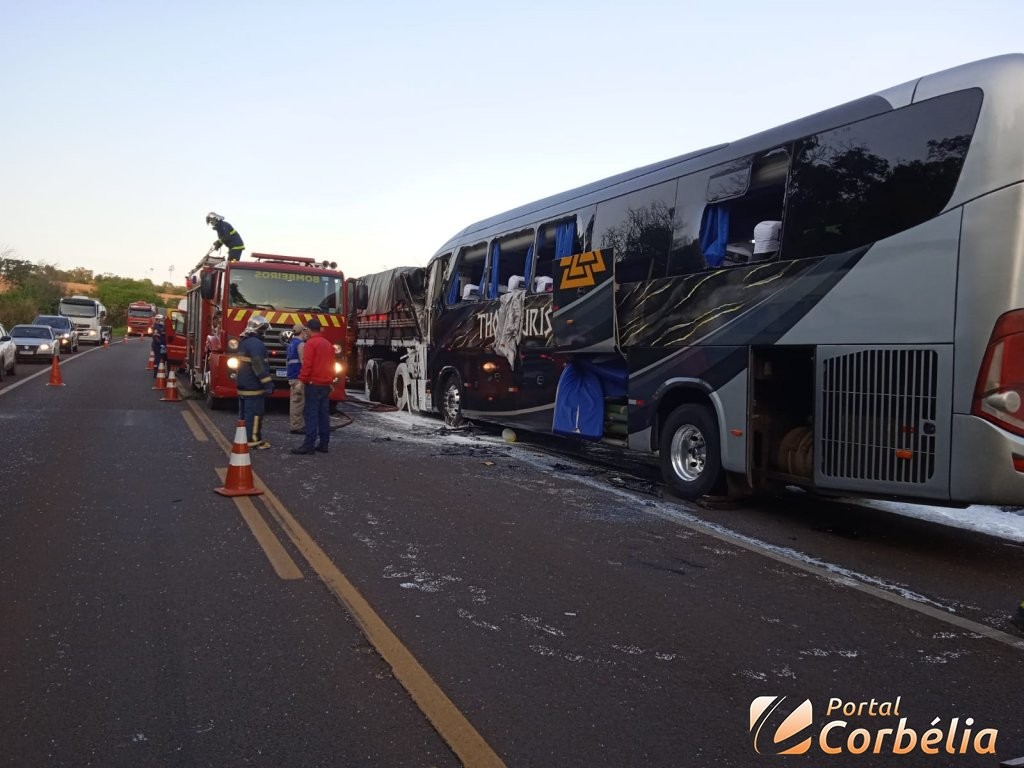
(833, 304)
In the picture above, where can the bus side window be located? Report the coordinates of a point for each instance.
(744, 201)
(555, 241)
(468, 274)
(510, 259)
(639, 229)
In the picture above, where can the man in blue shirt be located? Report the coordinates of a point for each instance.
(297, 399)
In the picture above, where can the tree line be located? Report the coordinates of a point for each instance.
(36, 289)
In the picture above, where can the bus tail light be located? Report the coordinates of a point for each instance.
(1000, 388)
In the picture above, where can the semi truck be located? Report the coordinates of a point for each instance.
(89, 316)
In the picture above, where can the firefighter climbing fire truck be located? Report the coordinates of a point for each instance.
(286, 290)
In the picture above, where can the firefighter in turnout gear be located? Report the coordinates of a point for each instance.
(226, 235)
(254, 380)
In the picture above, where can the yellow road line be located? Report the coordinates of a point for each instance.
(450, 724)
(272, 547)
(197, 431)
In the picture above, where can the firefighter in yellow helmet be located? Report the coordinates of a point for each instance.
(253, 380)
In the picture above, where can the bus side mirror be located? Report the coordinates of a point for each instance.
(362, 295)
(206, 286)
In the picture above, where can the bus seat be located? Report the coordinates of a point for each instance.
(470, 292)
(543, 284)
(766, 239)
(516, 283)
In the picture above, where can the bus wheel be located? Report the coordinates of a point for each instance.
(403, 395)
(690, 454)
(451, 402)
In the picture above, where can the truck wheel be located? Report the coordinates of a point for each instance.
(403, 388)
(690, 452)
(370, 374)
(386, 382)
(451, 402)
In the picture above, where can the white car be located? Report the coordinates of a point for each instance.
(35, 342)
(8, 354)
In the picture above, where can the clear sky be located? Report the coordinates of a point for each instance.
(369, 132)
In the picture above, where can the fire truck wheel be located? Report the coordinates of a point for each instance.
(386, 382)
(451, 401)
(690, 455)
(403, 395)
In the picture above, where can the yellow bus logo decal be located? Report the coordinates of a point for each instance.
(579, 269)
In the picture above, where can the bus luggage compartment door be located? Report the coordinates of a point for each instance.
(883, 418)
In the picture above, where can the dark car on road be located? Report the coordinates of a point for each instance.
(35, 342)
(63, 329)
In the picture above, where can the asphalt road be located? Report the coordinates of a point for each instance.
(422, 598)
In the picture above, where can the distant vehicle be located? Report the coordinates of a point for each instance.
(141, 317)
(35, 342)
(8, 354)
(176, 335)
(63, 329)
(89, 316)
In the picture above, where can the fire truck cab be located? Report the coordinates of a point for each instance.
(286, 290)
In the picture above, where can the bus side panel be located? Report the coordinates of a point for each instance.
(990, 280)
(882, 419)
(902, 291)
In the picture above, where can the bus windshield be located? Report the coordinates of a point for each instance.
(140, 312)
(261, 288)
(72, 308)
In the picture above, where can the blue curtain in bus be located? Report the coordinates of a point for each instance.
(453, 292)
(528, 269)
(492, 288)
(565, 233)
(714, 234)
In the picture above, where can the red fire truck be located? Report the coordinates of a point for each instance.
(140, 318)
(286, 290)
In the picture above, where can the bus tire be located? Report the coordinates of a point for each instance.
(690, 452)
(403, 388)
(386, 382)
(451, 401)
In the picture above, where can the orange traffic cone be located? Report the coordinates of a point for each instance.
(171, 392)
(55, 379)
(149, 365)
(106, 342)
(238, 481)
(161, 377)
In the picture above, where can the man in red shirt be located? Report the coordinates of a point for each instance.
(316, 378)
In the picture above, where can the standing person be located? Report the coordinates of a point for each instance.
(316, 376)
(253, 380)
(226, 235)
(158, 344)
(297, 399)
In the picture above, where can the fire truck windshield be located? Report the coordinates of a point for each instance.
(264, 288)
